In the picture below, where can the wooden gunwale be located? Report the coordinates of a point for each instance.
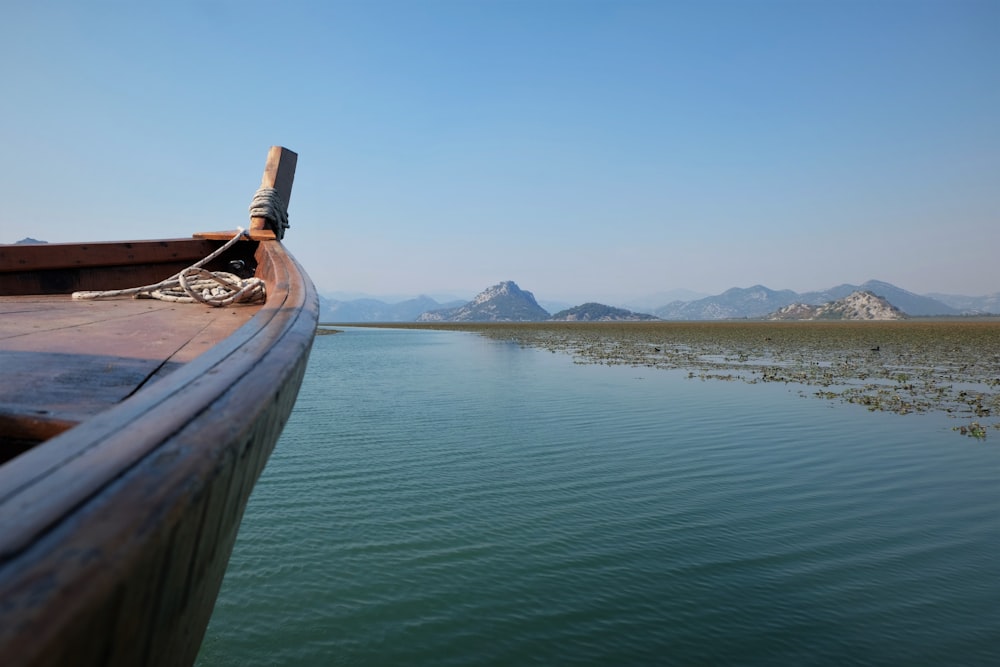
(150, 490)
(67, 267)
(43, 257)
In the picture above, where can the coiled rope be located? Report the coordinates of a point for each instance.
(195, 285)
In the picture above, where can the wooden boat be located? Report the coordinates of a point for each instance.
(132, 432)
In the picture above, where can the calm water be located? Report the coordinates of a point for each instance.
(441, 499)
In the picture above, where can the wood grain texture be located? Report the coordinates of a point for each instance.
(63, 268)
(115, 534)
(45, 256)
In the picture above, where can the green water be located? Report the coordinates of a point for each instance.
(438, 498)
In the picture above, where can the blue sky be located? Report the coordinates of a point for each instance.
(586, 150)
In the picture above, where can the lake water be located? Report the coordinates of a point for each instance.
(438, 498)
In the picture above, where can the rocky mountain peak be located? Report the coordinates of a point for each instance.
(505, 288)
(503, 302)
(858, 305)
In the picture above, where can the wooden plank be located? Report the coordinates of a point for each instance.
(33, 317)
(76, 358)
(147, 329)
(218, 329)
(52, 269)
(255, 235)
(66, 281)
(47, 256)
(76, 384)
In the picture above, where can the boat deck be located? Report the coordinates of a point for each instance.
(62, 360)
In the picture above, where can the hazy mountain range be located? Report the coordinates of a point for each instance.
(598, 312)
(507, 302)
(759, 301)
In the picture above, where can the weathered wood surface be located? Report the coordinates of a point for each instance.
(62, 268)
(115, 534)
(63, 360)
(46, 256)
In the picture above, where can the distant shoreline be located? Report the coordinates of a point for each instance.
(938, 364)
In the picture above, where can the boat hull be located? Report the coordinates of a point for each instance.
(115, 534)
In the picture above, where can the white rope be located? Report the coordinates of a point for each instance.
(195, 285)
(213, 288)
(266, 203)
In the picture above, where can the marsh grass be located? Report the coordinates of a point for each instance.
(906, 367)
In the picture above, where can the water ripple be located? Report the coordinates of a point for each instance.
(440, 499)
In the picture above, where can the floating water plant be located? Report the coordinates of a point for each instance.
(946, 366)
(973, 430)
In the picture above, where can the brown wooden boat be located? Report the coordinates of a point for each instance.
(132, 432)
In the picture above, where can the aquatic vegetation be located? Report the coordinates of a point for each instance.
(906, 367)
(973, 430)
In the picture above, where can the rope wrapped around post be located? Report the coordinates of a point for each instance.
(195, 285)
(266, 203)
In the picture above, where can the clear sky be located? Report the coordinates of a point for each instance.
(588, 150)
